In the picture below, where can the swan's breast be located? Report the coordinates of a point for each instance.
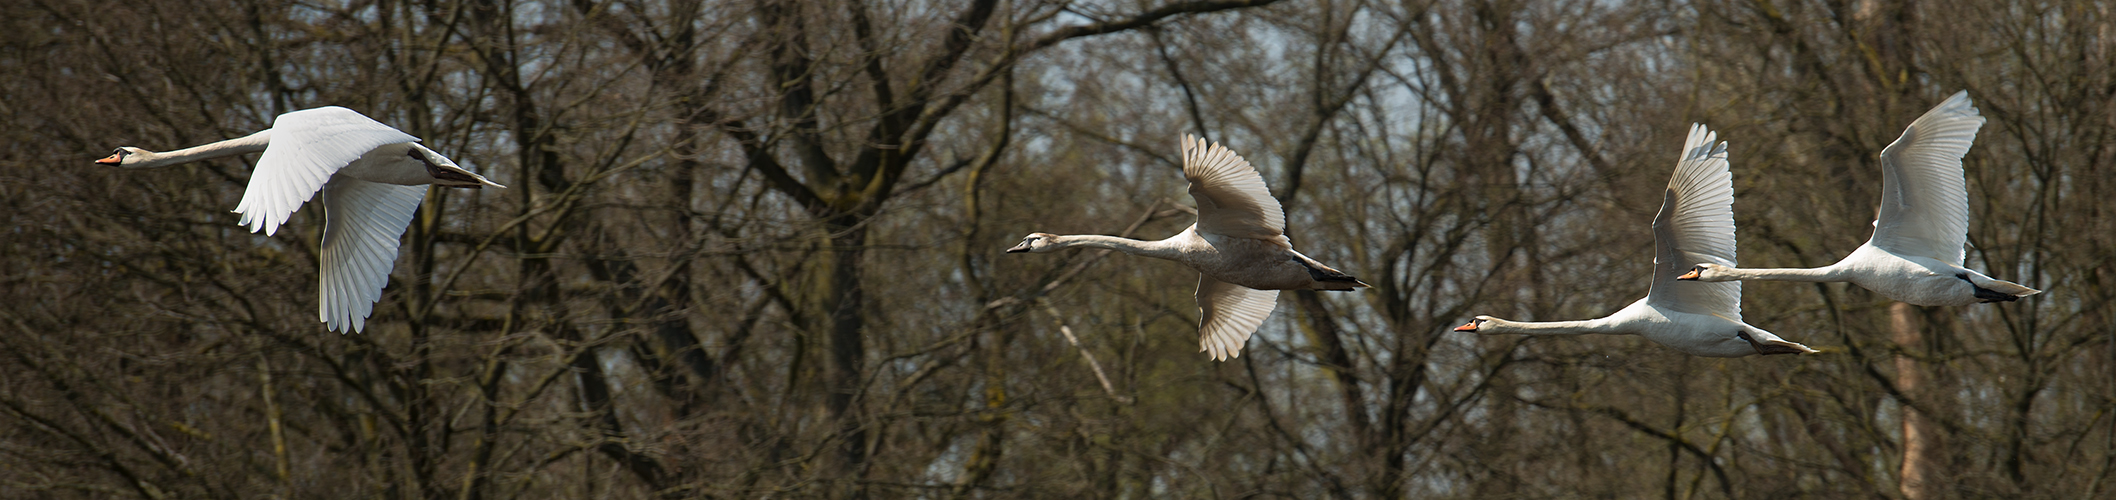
(1699, 334)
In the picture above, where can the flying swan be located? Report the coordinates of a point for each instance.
(1238, 246)
(1917, 249)
(372, 178)
(1695, 224)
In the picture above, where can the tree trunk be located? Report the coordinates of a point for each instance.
(1919, 446)
(847, 349)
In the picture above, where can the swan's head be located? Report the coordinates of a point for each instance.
(1036, 242)
(1475, 324)
(126, 156)
(1706, 273)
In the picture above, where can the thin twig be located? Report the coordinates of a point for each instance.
(1091, 363)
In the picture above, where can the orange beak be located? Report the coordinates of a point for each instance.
(1471, 326)
(113, 159)
(1692, 275)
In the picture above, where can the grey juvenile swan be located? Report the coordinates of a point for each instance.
(1238, 246)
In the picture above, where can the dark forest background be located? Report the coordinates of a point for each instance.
(752, 249)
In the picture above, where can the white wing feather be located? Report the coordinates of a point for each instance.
(1924, 201)
(1228, 314)
(363, 223)
(307, 147)
(1231, 196)
(1696, 225)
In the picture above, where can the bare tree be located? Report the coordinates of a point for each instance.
(751, 248)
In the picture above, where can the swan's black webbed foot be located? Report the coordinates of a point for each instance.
(1991, 296)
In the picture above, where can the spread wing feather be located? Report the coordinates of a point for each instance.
(363, 223)
(1696, 225)
(1231, 196)
(1924, 200)
(1229, 313)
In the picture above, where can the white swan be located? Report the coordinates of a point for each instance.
(1916, 252)
(1238, 246)
(1695, 224)
(372, 178)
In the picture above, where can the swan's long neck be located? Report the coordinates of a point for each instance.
(1817, 274)
(1163, 249)
(1583, 327)
(231, 147)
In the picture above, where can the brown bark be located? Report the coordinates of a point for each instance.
(1920, 438)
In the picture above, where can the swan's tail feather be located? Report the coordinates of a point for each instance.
(445, 171)
(1998, 290)
(1783, 347)
(1327, 278)
(2011, 288)
(2003, 291)
(1767, 344)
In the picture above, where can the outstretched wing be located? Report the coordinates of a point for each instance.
(307, 147)
(1229, 313)
(1924, 201)
(363, 223)
(1696, 225)
(1231, 197)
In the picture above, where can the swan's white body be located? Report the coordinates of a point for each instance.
(1695, 224)
(1238, 246)
(1918, 245)
(372, 178)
